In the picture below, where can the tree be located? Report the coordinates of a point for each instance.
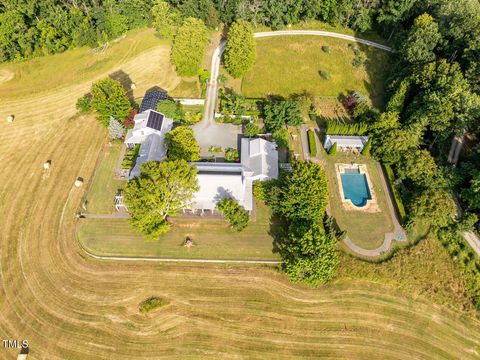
(281, 137)
(333, 149)
(181, 144)
(115, 129)
(418, 166)
(240, 51)
(304, 192)
(235, 214)
(251, 130)
(84, 104)
(109, 99)
(165, 19)
(279, 113)
(367, 147)
(435, 206)
(162, 189)
(422, 39)
(171, 109)
(395, 143)
(471, 194)
(309, 254)
(189, 46)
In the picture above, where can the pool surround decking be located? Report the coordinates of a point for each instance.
(372, 205)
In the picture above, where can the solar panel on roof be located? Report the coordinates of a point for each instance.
(151, 99)
(155, 120)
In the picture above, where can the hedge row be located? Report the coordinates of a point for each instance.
(312, 144)
(396, 195)
(339, 128)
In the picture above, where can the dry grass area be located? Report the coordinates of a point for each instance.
(71, 307)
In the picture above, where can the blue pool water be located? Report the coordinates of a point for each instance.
(355, 187)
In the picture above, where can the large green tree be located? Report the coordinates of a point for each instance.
(418, 166)
(434, 206)
(165, 19)
(240, 51)
(422, 40)
(279, 113)
(171, 109)
(109, 99)
(189, 46)
(304, 192)
(309, 253)
(181, 144)
(162, 189)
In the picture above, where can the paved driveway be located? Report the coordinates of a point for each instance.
(210, 133)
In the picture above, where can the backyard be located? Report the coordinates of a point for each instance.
(304, 61)
(365, 229)
(212, 238)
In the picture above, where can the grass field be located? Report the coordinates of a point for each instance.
(212, 238)
(364, 229)
(71, 307)
(104, 186)
(289, 65)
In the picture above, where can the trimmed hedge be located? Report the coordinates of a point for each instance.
(396, 195)
(312, 144)
(339, 128)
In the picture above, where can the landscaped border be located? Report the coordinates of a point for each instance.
(372, 205)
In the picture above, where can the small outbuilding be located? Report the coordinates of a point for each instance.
(346, 142)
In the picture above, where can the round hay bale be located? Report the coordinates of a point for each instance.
(133, 86)
(47, 164)
(10, 118)
(79, 182)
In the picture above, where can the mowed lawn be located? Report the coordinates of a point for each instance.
(212, 238)
(104, 187)
(364, 229)
(292, 64)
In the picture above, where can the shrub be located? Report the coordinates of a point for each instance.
(358, 61)
(333, 149)
(192, 117)
(312, 145)
(215, 149)
(251, 130)
(280, 136)
(339, 128)
(235, 214)
(231, 154)
(171, 109)
(84, 103)
(115, 129)
(396, 194)
(129, 122)
(366, 148)
(325, 75)
(151, 303)
(326, 49)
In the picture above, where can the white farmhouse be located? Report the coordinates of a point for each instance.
(149, 131)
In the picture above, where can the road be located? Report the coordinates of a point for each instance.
(212, 88)
(473, 240)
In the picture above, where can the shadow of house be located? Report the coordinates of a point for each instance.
(123, 78)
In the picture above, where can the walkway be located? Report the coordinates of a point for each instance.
(473, 240)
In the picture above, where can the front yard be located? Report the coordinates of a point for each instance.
(212, 238)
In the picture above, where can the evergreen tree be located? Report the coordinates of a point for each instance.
(115, 129)
(240, 51)
(235, 214)
(422, 40)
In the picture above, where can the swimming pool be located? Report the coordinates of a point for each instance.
(355, 187)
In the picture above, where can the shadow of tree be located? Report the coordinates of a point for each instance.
(123, 78)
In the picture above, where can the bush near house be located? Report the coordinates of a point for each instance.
(231, 154)
(333, 149)
(130, 156)
(367, 147)
(235, 214)
(312, 144)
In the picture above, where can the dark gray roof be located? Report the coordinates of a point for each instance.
(151, 99)
(155, 120)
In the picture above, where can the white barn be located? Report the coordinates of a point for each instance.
(346, 142)
(149, 131)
